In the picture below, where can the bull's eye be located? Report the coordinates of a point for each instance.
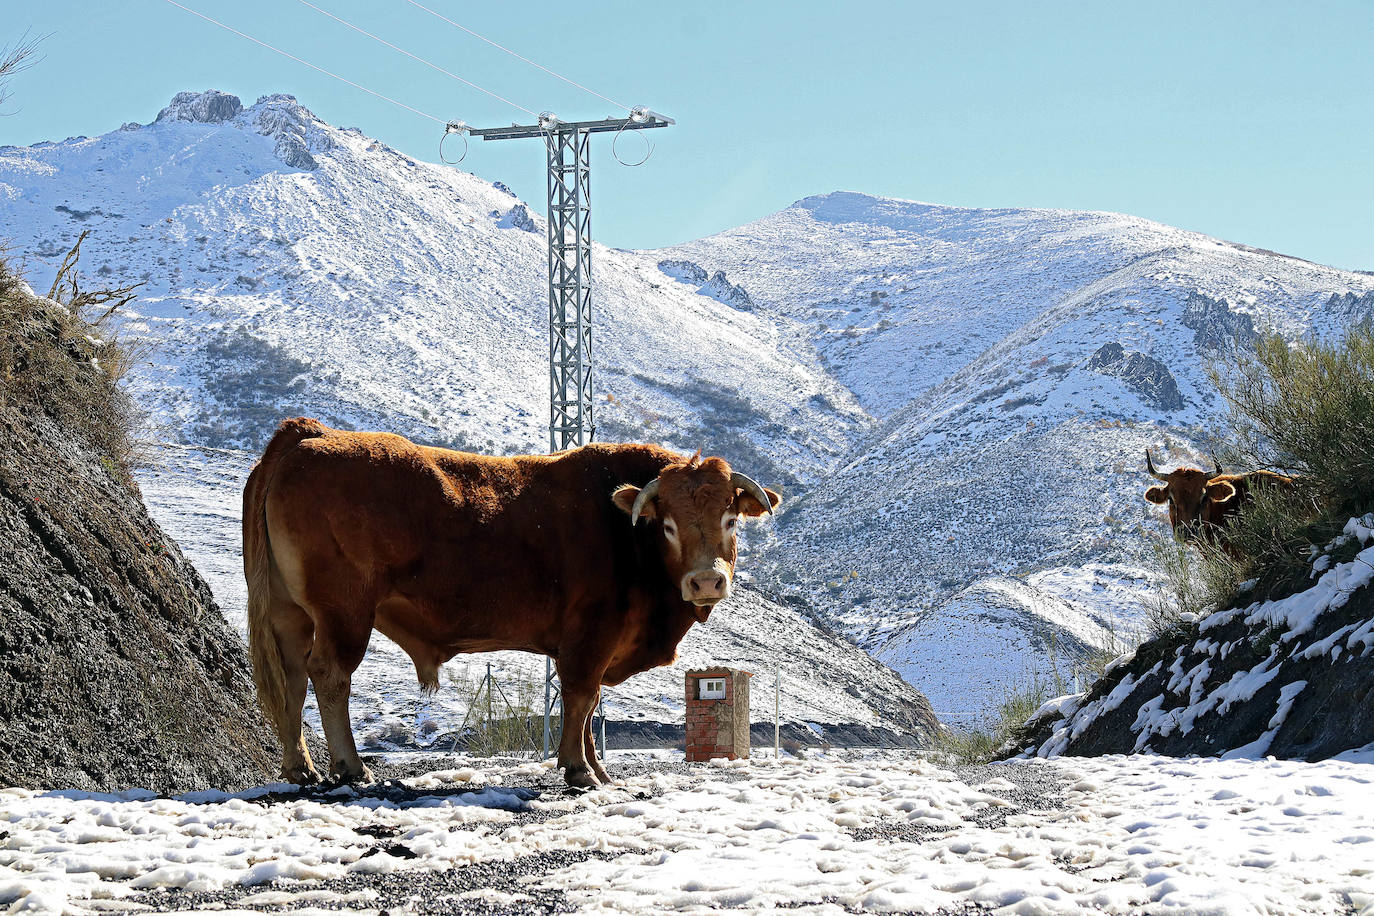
(670, 529)
(730, 524)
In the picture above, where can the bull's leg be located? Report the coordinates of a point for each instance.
(589, 744)
(338, 651)
(295, 634)
(579, 697)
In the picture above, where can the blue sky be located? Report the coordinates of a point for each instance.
(1248, 121)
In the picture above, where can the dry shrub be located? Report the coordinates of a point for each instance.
(1302, 408)
(63, 357)
(980, 743)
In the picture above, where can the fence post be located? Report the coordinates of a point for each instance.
(777, 714)
(601, 711)
(548, 703)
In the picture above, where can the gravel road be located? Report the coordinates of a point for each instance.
(512, 886)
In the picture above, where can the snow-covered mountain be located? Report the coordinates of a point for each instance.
(954, 401)
(295, 267)
(1016, 363)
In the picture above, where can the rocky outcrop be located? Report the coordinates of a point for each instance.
(684, 271)
(297, 132)
(1148, 378)
(1216, 326)
(117, 669)
(518, 217)
(714, 285)
(208, 107)
(1291, 677)
(295, 129)
(1350, 307)
(722, 290)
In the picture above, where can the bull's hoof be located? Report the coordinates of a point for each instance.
(305, 775)
(581, 777)
(602, 776)
(351, 774)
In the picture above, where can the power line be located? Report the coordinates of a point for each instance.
(415, 57)
(518, 56)
(342, 79)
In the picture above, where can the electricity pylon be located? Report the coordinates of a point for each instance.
(572, 421)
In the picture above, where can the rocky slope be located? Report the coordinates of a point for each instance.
(1289, 677)
(117, 669)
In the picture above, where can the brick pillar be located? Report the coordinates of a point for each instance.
(717, 726)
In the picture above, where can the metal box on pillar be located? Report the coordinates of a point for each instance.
(717, 713)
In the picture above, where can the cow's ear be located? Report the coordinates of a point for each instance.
(624, 498)
(1221, 491)
(1157, 495)
(746, 504)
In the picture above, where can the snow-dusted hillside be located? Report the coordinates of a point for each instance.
(1017, 363)
(954, 401)
(297, 268)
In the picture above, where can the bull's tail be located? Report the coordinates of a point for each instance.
(268, 672)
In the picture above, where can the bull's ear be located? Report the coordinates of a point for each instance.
(1221, 491)
(1157, 495)
(746, 504)
(624, 498)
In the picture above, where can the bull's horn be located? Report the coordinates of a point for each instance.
(649, 492)
(740, 482)
(1150, 466)
(1218, 472)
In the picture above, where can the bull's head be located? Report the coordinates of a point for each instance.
(696, 508)
(1188, 492)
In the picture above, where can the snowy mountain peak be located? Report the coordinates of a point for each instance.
(208, 107)
(296, 130)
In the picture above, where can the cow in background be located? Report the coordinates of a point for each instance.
(447, 552)
(1202, 505)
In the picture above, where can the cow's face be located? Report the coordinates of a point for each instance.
(696, 509)
(1188, 492)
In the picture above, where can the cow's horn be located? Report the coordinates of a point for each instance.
(740, 482)
(1150, 465)
(649, 492)
(1218, 472)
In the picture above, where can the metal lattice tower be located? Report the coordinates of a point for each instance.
(572, 420)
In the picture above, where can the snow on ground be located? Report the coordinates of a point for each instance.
(846, 833)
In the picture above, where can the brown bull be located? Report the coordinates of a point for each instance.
(447, 552)
(1202, 505)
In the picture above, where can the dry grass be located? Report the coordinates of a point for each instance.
(980, 743)
(68, 361)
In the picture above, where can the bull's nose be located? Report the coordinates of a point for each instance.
(706, 585)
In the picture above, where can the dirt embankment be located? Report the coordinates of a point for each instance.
(117, 669)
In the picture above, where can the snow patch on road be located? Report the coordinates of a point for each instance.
(863, 832)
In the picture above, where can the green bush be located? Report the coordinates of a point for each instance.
(1197, 579)
(1305, 409)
